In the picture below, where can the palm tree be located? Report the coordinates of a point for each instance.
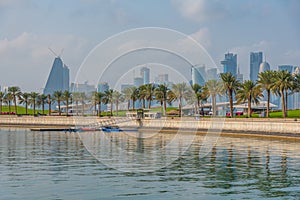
(161, 95)
(49, 102)
(266, 80)
(67, 97)
(16, 93)
(41, 100)
(7, 100)
(200, 94)
(2, 95)
(24, 99)
(98, 99)
(33, 99)
(82, 100)
(181, 91)
(58, 97)
(127, 96)
(282, 84)
(142, 94)
(76, 98)
(213, 88)
(231, 84)
(117, 98)
(249, 92)
(109, 99)
(131, 94)
(148, 91)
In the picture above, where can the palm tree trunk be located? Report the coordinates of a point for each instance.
(15, 102)
(111, 107)
(282, 103)
(214, 105)
(128, 104)
(34, 108)
(49, 105)
(149, 104)
(67, 107)
(117, 107)
(43, 108)
(179, 106)
(77, 108)
(286, 102)
(59, 111)
(26, 108)
(165, 107)
(95, 107)
(9, 107)
(249, 106)
(268, 103)
(99, 109)
(133, 104)
(0, 107)
(230, 103)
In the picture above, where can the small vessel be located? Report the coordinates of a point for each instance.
(110, 129)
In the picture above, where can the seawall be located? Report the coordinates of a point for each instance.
(282, 126)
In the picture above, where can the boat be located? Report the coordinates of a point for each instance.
(110, 129)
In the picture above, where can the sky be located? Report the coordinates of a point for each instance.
(73, 28)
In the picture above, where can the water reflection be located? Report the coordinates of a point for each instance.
(58, 166)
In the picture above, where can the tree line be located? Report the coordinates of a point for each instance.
(280, 83)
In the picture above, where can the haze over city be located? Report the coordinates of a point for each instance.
(240, 27)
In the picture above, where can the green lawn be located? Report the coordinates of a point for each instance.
(21, 110)
(276, 114)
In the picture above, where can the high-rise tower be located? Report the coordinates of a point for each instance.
(230, 63)
(59, 77)
(256, 59)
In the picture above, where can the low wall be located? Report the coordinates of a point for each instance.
(244, 125)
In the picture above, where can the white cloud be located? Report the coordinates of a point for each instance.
(27, 55)
(201, 10)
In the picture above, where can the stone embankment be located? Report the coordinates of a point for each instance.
(282, 126)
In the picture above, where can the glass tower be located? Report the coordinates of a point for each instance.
(230, 63)
(58, 79)
(255, 61)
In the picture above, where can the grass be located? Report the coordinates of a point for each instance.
(275, 114)
(21, 110)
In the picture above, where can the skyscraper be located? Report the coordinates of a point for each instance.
(198, 75)
(138, 81)
(255, 61)
(230, 63)
(212, 74)
(145, 74)
(58, 79)
(102, 87)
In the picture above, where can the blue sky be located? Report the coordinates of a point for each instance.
(29, 27)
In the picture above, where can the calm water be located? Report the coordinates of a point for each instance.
(55, 165)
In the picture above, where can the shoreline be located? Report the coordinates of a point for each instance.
(287, 129)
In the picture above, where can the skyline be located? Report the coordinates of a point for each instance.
(30, 27)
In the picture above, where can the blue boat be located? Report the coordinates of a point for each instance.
(111, 129)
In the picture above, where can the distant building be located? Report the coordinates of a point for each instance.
(264, 66)
(162, 79)
(212, 74)
(138, 81)
(256, 58)
(198, 75)
(85, 87)
(124, 86)
(297, 94)
(239, 76)
(145, 74)
(58, 79)
(230, 63)
(289, 68)
(102, 87)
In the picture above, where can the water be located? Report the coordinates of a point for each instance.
(55, 165)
